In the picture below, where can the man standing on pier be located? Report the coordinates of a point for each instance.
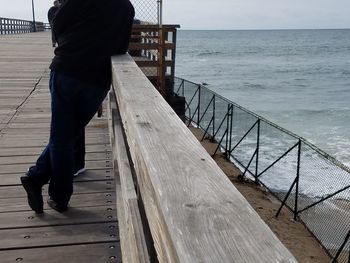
(88, 33)
(50, 16)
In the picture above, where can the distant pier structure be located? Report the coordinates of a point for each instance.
(19, 26)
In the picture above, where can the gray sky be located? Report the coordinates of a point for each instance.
(225, 14)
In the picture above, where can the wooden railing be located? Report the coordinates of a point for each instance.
(174, 202)
(153, 48)
(17, 26)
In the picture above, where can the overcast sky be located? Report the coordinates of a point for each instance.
(225, 14)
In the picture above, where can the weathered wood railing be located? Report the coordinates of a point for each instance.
(18, 26)
(192, 210)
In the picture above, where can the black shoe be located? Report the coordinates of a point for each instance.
(35, 198)
(56, 206)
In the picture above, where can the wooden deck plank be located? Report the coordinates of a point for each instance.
(43, 130)
(39, 131)
(59, 235)
(27, 118)
(22, 168)
(22, 142)
(33, 142)
(74, 215)
(13, 191)
(105, 252)
(17, 204)
(11, 179)
(28, 151)
(29, 159)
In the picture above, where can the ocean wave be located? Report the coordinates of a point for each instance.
(313, 111)
(300, 85)
(209, 53)
(321, 112)
(253, 85)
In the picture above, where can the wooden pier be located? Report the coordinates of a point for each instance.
(88, 231)
(174, 203)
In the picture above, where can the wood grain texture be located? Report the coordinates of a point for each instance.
(17, 204)
(29, 159)
(14, 191)
(22, 168)
(194, 212)
(30, 151)
(105, 252)
(91, 174)
(79, 215)
(68, 235)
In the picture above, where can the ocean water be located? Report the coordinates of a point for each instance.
(298, 79)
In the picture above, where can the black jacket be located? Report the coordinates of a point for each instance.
(88, 33)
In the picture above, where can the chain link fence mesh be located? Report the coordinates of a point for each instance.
(311, 183)
(147, 11)
(156, 44)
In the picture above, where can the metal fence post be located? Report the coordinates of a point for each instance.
(257, 152)
(228, 132)
(230, 138)
(183, 88)
(297, 183)
(214, 107)
(335, 259)
(199, 103)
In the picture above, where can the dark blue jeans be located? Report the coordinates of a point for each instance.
(73, 104)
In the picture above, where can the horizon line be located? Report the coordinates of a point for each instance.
(262, 29)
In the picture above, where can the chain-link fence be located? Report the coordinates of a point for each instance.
(343, 254)
(312, 184)
(148, 11)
